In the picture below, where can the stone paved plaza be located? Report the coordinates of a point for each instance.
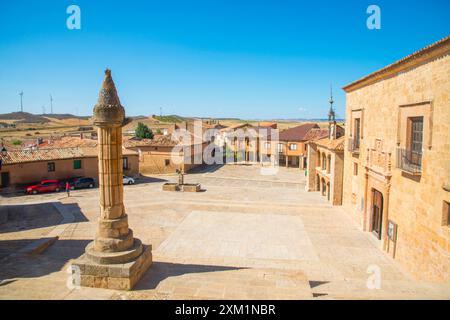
(245, 236)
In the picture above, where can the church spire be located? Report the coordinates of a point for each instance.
(331, 114)
(331, 117)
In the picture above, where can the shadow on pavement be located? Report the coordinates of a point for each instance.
(159, 271)
(37, 265)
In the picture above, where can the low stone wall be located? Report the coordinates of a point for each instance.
(171, 187)
(194, 187)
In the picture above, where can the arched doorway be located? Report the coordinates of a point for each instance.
(324, 187)
(377, 213)
(317, 182)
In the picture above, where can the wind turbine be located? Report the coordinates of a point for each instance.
(51, 104)
(21, 104)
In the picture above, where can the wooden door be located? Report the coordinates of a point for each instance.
(377, 212)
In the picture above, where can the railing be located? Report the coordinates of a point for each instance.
(353, 145)
(409, 161)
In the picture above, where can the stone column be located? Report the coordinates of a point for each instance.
(115, 259)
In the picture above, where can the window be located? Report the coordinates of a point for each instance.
(50, 166)
(355, 169)
(415, 139)
(77, 164)
(357, 133)
(267, 145)
(166, 162)
(280, 147)
(446, 214)
(125, 163)
(293, 146)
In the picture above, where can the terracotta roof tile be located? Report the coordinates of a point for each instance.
(297, 133)
(336, 144)
(48, 154)
(21, 156)
(316, 134)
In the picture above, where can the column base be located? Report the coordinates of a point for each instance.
(117, 276)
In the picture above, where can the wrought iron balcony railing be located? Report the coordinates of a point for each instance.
(353, 145)
(409, 161)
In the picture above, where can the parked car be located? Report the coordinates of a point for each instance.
(45, 186)
(128, 180)
(82, 182)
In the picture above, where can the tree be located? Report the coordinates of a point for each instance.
(143, 132)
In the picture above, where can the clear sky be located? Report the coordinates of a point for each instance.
(211, 58)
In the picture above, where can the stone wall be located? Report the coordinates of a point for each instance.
(413, 202)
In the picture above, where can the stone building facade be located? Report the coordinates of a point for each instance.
(397, 159)
(326, 171)
(291, 145)
(326, 160)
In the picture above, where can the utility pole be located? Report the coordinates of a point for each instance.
(51, 104)
(21, 104)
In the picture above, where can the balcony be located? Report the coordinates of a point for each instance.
(409, 161)
(353, 145)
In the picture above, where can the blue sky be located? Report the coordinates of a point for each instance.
(214, 58)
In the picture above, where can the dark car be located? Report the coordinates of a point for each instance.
(80, 183)
(45, 186)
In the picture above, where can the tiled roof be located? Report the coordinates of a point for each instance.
(68, 142)
(297, 133)
(316, 134)
(22, 156)
(158, 140)
(437, 49)
(261, 125)
(335, 145)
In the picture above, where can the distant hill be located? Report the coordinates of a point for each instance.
(169, 118)
(24, 117)
(63, 116)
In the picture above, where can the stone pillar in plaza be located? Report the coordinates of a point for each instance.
(115, 259)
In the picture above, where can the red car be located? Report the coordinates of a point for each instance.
(45, 186)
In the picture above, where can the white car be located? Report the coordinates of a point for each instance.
(128, 180)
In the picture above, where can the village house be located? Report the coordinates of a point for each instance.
(242, 143)
(21, 167)
(397, 159)
(165, 154)
(326, 160)
(291, 146)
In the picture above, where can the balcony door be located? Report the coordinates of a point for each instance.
(377, 213)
